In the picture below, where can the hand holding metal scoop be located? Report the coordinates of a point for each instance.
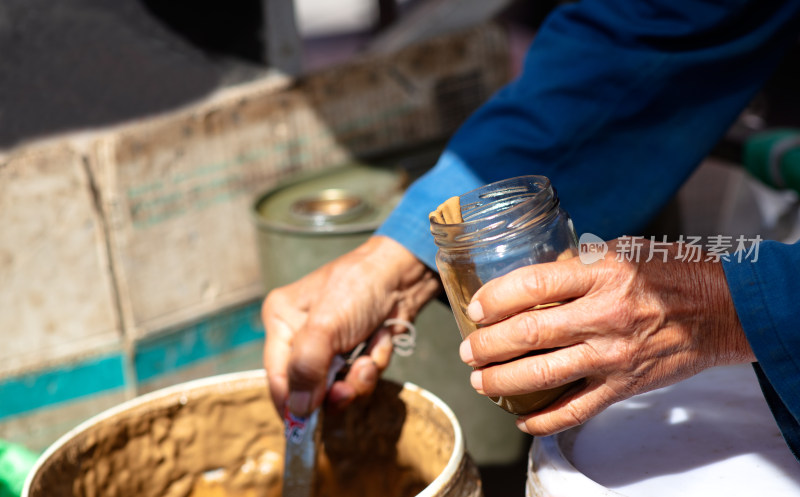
(301, 431)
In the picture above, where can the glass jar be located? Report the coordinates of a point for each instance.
(505, 225)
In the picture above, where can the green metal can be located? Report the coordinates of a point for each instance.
(306, 223)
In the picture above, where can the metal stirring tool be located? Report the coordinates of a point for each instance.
(301, 432)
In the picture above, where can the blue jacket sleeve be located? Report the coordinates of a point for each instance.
(617, 103)
(765, 289)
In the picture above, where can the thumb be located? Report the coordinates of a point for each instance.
(530, 286)
(311, 358)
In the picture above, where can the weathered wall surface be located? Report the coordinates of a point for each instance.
(57, 295)
(115, 239)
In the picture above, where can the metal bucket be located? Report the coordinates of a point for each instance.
(309, 222)
(220, 436)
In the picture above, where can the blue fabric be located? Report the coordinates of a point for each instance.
(618, 102)
(765, 291)
(786, 420)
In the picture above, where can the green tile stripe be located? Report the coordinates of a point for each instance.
(185, 346)
(43, 388)
(152, 358)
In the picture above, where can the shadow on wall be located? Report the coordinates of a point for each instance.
(86, 63)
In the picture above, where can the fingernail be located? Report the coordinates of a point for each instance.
(382, 351)
(300, 403)
(465, 351)
(520, 422)
(476, 380)
(368, 374)
(475, 311)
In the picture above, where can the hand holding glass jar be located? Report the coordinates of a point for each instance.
(491, 231)
(622, 327)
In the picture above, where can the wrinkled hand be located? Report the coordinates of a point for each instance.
(626, 328)
(332, 310)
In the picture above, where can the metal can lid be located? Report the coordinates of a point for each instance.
(348, 199)
(328, 206)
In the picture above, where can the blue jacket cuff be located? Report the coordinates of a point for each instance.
(408, 224)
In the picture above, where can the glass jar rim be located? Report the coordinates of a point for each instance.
(512, 205)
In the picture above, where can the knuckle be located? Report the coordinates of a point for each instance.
(267, 304)
(623, 390)
(490, 381)
(535, 282)
(495, 382)
(616, 355)
(593, 358)
(543, 372)
(335, 330)
(272, 301)
(304, 373)
(575, 415)
(529, 329)
(310, 356)
(480, 341)
(364, 375)
(610, 260)
(322, 326)
(543, 425)
(618, 314)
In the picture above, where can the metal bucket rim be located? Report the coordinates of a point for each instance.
(440, 482)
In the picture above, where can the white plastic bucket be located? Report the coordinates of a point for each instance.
(712, 434)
